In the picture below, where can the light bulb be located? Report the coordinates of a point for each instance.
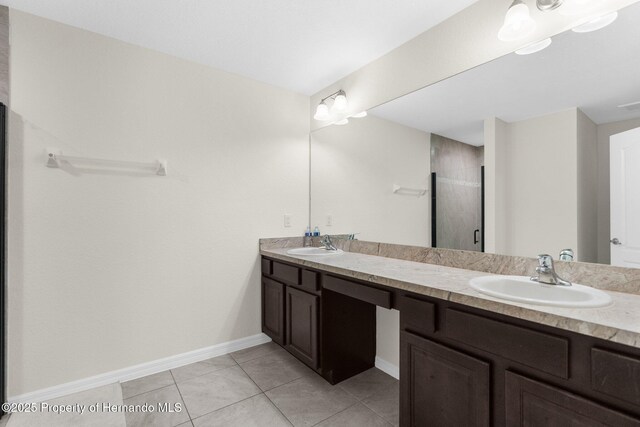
(576, 7)
(340, 103)
(534, 47)
(342, 122)
(596, 24)
(518, 23)
(322, 112)
(360, 115)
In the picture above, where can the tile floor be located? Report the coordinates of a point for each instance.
(258, 386)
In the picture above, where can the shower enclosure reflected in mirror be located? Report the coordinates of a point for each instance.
(540, 127)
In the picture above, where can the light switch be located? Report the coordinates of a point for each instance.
(329, 220)
(287, 220)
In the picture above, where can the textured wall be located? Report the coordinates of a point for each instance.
(109, 270)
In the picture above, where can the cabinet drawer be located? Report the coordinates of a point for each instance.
(355, 290)
(616, 374)
(266, 266)
(417, 315)
(532, 403)
(546, 353)
(310, 280)
(286, 273)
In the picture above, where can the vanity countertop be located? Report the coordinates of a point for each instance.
(618, 322)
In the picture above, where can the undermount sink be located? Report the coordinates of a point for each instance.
(313, 252)
(523, 289)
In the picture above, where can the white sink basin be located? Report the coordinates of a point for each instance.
(313, 252)
(522, 289)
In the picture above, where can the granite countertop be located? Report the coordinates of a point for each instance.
(618, 322)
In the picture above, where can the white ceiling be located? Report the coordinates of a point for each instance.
(593, 71)
(301, 45)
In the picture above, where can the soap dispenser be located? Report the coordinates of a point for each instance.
(316, 232)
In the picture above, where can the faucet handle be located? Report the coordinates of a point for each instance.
(545, 261)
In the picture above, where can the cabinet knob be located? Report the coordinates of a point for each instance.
(616, 241)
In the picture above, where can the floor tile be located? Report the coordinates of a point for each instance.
(193, 370)
(110, 394)
(168, 395)
(309, 400)
(256, 411)
(145, 384)
(255, 352)
(275, 369)
(213, 391)
(4, 420)
(356, 416)
(368, 383)
(386, 404)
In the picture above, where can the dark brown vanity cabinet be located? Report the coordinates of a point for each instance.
(459, 365)
(302, 325)
(443, 387)
(290, 309)
(273, 294)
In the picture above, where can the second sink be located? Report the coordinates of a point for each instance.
(522, 289)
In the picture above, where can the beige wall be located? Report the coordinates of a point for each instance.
(464, 41)
(604, 214)
(587, 152)
(495, 202)
(108, 271)
(354, 168)
(532, 185)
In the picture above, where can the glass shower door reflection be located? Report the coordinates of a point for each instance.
(457, 210)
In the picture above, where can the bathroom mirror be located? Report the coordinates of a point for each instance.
(511, 157)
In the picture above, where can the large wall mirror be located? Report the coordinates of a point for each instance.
(524, 155)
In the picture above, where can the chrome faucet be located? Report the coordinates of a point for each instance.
(327, 243)
(546, 272)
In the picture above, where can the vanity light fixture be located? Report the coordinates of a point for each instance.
(596, 24)
(518, 23)
(546, 5)
(339, 105)
(342, 122)
(534, 47)
(360, 115)
(576, 7)
(322, 112)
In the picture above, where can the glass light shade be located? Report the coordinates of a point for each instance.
(576, 7)
(596, 24)
(534, 47)
(518, 23)
(360, 115)
(340, 103)
(322, 112)
(342, 122)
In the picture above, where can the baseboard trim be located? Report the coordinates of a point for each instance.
(140, 370)
(388, 368)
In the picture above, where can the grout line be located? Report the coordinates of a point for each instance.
(153, 389)
(339, 412)
(265, 394)
(226, 406)
(180, 393)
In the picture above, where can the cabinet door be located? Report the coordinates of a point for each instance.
(532, 403)
(273, 310)
(440, 386)
(302, 326)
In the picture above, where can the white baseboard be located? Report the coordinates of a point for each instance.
(141, 370)
(388, 368)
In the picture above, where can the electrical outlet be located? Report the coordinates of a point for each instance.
(287, 220)
(329, 220)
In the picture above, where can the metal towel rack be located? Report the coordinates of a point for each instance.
(406, 191)
(55, 157)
